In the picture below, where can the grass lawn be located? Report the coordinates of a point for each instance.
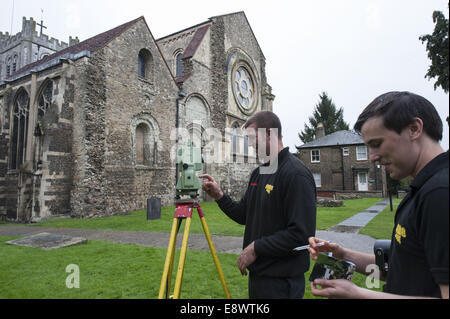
(330, 216)
(382, 225)
(218, 222)
(111, 270)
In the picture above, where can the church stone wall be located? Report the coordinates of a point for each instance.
(53, 197)
(228, 33)
(114, 100)
(40, 188)
(170, 44)
(87, 198)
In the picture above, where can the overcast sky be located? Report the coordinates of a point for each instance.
(354, 50)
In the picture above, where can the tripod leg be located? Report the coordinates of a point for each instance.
(167, 272)
(214, 254)
(169, 277)
(179, 279)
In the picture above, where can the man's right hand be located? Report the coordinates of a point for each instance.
(210, 186)
(327, 247)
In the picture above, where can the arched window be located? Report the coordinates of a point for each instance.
(235, 138)
(1, 115)
(245, 145)
(145, 145)
(144, 64)
(244, 84)
(45, 99)
(179, 64)
(8, 66)
(141, 133)
(14, 63)
(20, 129)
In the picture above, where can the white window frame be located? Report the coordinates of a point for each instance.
(345, 151)
(317, 179)
(361, 156)
(315, 155)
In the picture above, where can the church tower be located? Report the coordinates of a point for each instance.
(26, 47)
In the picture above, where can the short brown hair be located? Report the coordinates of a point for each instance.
(265, 119)
(398, 110)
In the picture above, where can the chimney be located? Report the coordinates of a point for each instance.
(320, 131)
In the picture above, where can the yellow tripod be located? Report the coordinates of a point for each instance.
(184, 210)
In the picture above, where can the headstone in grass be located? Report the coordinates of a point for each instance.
(153, 208)
(48, 241)
(328, 202)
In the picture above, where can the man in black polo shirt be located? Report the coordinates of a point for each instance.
(278, 210)
(402, 131)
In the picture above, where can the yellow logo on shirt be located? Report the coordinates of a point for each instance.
(400, 232)
(269, 188)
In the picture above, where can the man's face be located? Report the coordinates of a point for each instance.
(257, 141)
(394, 151)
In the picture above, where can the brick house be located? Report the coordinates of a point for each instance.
(340, 164)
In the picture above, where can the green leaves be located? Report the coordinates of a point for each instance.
(437, 47)
(325, 112)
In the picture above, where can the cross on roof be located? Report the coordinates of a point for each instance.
(42, 22)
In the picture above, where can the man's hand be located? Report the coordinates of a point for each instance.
(339, 288)
(246, 258)
(210, 186)
(313, 249)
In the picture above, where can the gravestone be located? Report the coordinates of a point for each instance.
(153, 208)
(48, 241)
(328, 202)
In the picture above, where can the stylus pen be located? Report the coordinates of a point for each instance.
(307, 246)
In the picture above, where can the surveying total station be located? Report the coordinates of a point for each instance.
(189, 161)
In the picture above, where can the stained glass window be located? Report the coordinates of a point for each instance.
(45, 99)
(244, 88)
(20, 129)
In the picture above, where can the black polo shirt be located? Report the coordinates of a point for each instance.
(418, 261)
(279, 212)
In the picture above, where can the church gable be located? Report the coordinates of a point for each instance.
(134, 115)
(245, 66)
(181, 46)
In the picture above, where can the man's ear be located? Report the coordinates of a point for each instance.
(415, 128)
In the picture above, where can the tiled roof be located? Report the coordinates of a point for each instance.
(336, 138)
(91, 45)
(195, 42)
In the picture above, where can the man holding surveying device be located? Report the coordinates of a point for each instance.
(189, 161)
(278, 210)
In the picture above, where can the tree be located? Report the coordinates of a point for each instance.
(437, 47)
(325, 112)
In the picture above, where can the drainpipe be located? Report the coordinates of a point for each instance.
(342, 166)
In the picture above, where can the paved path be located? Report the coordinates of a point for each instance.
(358, 221)
(223, 244)
(345, 234)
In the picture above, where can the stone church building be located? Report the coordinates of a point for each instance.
(90, 129)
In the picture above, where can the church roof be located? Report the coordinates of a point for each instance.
(205, 25)
(78, 50)
(334, 139)
(195, 42)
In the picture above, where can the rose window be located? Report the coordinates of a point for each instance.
(244, 89)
